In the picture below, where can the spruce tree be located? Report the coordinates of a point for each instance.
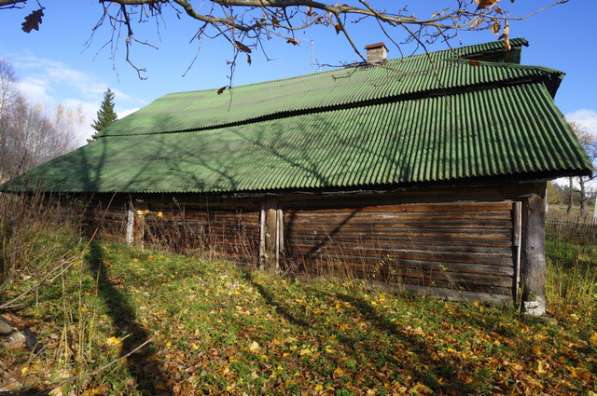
(105, 115)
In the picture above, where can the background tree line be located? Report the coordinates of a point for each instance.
(29, 133)
(577, 192)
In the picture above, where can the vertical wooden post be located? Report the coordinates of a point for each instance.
(130, 224)
(139, 225)
(262, 237)
(279, 237)
(270, 236)
(517, 242)
(533, 253)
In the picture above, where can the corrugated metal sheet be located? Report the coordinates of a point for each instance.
(202, 109)
(508, 131)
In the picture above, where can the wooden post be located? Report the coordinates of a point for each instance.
(280, 237)
(517, 242)
(270, 236)
(533, 254)
(262, 237)
(130, 224)
(139, 225)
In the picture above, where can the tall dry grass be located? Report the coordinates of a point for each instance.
(37, 232)
(41, 250)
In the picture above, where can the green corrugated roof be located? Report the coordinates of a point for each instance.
(411, 75)
(502, 131)
(408, 121)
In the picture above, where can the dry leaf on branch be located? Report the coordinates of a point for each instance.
(485, 3)
(32, 21)
(242, 47)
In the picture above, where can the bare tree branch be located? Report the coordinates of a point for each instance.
(249, 23)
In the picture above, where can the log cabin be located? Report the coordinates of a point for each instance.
(426, 172)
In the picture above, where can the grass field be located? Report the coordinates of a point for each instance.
(213, 328)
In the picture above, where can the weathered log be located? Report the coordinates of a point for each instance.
(533, 255)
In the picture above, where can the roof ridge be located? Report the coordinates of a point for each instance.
(520, 40)
(508, 65)
(414, 76)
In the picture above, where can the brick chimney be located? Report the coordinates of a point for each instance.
(376, 53)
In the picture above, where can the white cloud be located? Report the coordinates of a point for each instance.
(37, 90)
(586, 119)
(59, 73)
(48, 83)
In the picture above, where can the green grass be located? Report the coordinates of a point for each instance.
(217, 329)
(571, 283)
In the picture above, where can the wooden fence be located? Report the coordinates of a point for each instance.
(570, 230)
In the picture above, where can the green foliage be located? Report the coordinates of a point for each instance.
(105, 115)
(214, 328)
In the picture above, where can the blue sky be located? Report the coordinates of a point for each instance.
(55, 66)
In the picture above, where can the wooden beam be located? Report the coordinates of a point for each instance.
(130, 224)
(279, 237)
(271, 239)
(139, 225)
(533, 254)
(271, 234)
(262, 252)
(517, 246)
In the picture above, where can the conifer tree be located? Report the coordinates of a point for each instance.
(105, 115)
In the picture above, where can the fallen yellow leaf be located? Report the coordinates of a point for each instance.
(421, 389)
(540, 368)
(419, 331)
(113, 341)
(254, 347)
(339, 372)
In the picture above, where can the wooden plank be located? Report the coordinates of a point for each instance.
(391, 256)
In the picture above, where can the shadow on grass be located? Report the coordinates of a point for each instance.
(441, 372)
(271, 300)
(143, 364)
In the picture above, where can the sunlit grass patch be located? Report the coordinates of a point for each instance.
(214, 328)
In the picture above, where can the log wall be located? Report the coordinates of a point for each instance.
(232, 234)
(461, 246)
(454, 241)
